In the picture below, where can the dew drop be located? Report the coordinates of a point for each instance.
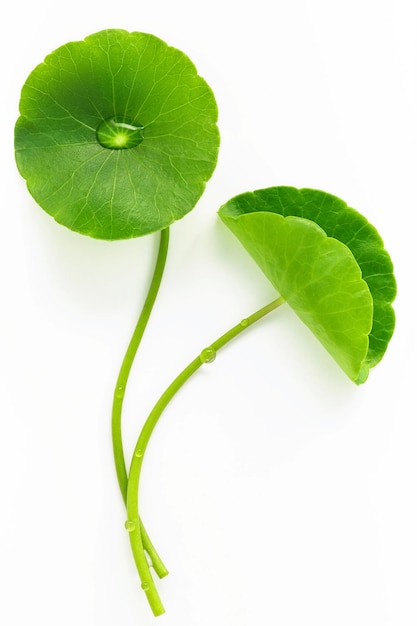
(244, 322)
(120, 392)
(117, 133)
(130, 525)
(139, 453)
(208, 355)
(145, 586)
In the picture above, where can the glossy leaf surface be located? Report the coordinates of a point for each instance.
(328, 262)
(117, 134)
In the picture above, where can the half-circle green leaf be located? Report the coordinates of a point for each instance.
(328, 262)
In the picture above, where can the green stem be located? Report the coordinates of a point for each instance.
(133, 521)
(119, 393)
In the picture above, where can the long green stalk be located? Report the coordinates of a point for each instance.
(133, 524)
(119, 393)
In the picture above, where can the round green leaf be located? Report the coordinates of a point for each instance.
(328, 262)
(117, 134)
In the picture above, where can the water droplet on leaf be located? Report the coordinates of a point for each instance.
(208, 355)
(145, 586)
(117, 133)
(244, 322)
(139, 453)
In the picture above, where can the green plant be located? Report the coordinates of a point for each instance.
(329, 264)
(116, 138)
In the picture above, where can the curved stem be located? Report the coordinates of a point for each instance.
(119, 393)
(133, 521)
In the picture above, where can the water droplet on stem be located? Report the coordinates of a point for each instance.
(130, 525)
(120, 392)
(208, 355)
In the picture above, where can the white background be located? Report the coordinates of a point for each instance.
(278, 492)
